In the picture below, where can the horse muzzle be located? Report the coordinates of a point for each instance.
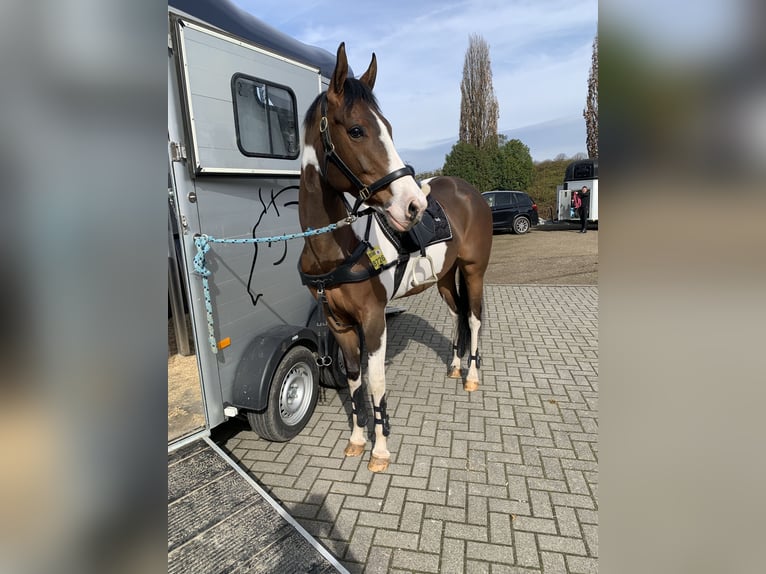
(404, 220)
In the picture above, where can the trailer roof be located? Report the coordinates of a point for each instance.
(582, 169)
(223, 14)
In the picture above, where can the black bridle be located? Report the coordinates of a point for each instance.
(365, 191)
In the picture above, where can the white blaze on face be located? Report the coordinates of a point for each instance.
(404, 190)
(309, 157)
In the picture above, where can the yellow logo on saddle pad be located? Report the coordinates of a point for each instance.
(376, 257)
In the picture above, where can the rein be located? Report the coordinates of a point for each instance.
(365, 191)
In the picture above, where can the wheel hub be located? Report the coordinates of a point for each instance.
(295, 390)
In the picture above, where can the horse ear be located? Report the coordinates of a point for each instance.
(368, 77)
(340, 73)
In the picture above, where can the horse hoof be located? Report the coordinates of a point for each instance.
(353, 449)
(454, 373)
(377, 464)
(470, 386)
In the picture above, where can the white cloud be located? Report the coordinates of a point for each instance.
(540, 54)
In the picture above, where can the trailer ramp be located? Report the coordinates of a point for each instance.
(221, 520)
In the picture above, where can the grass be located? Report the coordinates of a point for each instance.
(547, 175)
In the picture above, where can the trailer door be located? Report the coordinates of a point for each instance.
(241, 103)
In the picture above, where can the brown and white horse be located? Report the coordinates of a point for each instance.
(348, 156)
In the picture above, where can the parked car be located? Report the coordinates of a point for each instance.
(512, 210)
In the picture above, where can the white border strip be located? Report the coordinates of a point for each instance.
(202, 433)
(249, 170)
(282, 512)
(186, 87)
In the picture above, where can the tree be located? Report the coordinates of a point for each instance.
(427, 174)
(479, 110)
(464, 160)
(513, 165)
(590, 113)
(481, 156)
(503, 165)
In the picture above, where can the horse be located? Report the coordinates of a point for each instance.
(348, 156)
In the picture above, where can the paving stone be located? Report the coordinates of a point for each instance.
(541, 504)
(553, 563)
(573, 500)
(441, 512)
(394, 500)
(465, 531)
(453, 556)
(566, 519)
(504, 480)
(587, 516)
(591, 538)
(431, 536)
(412, 517)
(561, 544)
(415, 561)
(505, 569)
(500, 528)
(438, 479)
(477, 567)
(526, 549)
(378, 520)
(426, 496)
(582, 565)
(378, 560)
(477, 510)
(396, 539)
(489, 552)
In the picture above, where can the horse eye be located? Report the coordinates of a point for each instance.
(356, 132)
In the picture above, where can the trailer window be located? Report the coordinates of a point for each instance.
(265, 118)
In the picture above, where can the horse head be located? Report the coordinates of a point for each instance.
(354, 140)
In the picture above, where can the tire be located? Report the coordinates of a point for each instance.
(521, 225)
(292, 397)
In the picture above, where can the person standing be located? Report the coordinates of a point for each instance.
(584, 196)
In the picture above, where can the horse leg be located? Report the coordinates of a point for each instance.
(375, 340)
(448, 291)
(474, 280)
(348, 341)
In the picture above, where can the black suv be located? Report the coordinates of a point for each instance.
(512, 210)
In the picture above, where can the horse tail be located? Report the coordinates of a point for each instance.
(463, 312)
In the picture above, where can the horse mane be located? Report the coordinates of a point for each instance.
(353, 91)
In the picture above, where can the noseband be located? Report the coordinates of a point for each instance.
(365, 191)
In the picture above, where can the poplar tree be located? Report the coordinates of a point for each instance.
(479, 110)
(590, 113)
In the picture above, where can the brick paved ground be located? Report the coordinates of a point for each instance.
(502, 480)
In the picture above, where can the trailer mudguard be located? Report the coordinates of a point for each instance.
(259, 361)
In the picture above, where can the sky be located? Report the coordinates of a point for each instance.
(540, 53)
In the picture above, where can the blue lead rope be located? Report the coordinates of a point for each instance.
(203, 246)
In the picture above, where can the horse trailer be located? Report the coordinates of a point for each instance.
(237, 94)
(578, 173)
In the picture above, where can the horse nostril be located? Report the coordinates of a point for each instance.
(413, 210)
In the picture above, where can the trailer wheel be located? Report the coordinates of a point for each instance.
(292, 397)
(521, 225)
(334, 376)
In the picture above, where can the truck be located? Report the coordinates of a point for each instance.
(237, 94)
(578, 173)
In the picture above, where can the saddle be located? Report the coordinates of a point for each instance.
(433, 228)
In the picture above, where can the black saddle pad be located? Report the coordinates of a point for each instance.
(433, 228)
